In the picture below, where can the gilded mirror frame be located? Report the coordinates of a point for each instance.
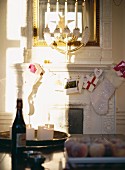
(37, 42)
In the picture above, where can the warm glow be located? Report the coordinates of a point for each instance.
(45, 96)
(14, 55)
(53, 18)
(14, 18)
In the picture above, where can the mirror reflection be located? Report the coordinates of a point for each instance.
(87, 15)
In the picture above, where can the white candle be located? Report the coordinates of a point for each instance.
(66, 13)
(51, 126)
(39, 132)
(48, 12)
(84, 13)
(57, 11)
(30, 133)
(57, 6)
(76, 14)
(45, 133)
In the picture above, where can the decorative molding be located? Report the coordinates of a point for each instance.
(76, 67)
(107, 31)
(6, 120)
(86, 55)
(120, 118)
(29, 23)
(107, 10)
(120, 112)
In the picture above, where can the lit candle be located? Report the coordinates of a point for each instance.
(76, 14)
(51, 126)
(48, 6)
(48, 12)
(57, 11)
(57, 6)
(45, 133)
(30, 133)
(84, 14)
(66, 13)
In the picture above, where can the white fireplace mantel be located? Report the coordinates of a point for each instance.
(60, 101)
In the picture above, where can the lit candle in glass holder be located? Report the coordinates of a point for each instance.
(45, 132)
(30, 132)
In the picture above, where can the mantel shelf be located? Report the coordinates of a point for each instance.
(65, 66)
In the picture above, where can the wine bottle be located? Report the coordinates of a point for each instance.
(18, 130)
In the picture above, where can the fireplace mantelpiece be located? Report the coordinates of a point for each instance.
(93, 123)
(86, 59)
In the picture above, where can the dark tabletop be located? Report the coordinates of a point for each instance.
(54, 160)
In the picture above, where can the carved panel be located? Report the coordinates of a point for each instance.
(107, 9)
(107, 31)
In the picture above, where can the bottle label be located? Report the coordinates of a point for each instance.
(21, 140)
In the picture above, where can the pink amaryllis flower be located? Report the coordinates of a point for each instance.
(37, 69)
(32, 68)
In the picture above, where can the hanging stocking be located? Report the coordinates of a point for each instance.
(114, 78)
(101, 95)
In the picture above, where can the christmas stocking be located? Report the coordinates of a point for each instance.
(101, 95)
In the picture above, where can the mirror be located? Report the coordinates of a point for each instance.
(88, 17)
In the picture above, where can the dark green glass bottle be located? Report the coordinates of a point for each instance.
(18, 131)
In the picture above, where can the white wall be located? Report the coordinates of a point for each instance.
(11, 49)
(2, 53)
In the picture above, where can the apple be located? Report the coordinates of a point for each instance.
(68, 146)
(96, 150)
(118, 149)
(79, 149)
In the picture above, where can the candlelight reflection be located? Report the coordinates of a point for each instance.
(76, 15)
(70, 39)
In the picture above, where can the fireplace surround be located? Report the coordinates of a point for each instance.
(60, 108)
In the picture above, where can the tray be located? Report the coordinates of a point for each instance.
(97, 160)
(79, 163)
(58, 140)
(104, 163)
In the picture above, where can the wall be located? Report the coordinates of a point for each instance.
(12, 15)
(118, 36)
(118, 52)
(3, 11)
(11, 49)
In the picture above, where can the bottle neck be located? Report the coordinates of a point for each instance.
(19, 115)
(19, 112)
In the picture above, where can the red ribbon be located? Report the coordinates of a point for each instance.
(91, 83)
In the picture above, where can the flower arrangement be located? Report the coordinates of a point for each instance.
(37, 69)
(38, 72)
